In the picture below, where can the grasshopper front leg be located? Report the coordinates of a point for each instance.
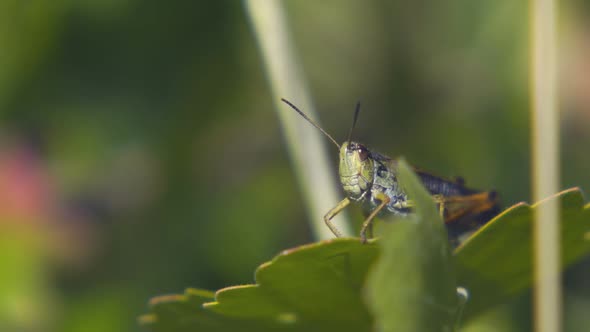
(368, 223)
(332, 213)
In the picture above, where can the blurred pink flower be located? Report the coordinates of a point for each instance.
(26, 193)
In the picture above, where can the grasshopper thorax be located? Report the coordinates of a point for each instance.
(355, 169)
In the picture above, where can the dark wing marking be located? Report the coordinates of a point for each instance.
(440, 186)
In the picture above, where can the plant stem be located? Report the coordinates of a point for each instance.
(305, 144)
(545, 166)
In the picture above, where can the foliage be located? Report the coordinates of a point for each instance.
(320, 286)
(140, 137)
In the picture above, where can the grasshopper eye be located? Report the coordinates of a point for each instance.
(363, 153)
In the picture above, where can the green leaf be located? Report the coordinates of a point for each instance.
(310, 288)
(319, 287)
(495, 263)
(412, 286)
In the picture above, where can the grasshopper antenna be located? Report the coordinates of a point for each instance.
(310, 121)
(356, 116)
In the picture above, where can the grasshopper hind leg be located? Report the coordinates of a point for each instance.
(465, 214)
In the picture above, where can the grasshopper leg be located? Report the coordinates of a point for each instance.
(332, 213)
(475, 203)
(440, 200)
(368, 223)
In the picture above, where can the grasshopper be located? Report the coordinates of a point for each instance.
(369, 178)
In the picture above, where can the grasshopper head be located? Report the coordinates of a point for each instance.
(356, 169)
(356, 164)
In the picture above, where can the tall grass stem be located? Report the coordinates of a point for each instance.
(306, 146)
(545, 163)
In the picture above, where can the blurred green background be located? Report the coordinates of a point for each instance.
(140, 154)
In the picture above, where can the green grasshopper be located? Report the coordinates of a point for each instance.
(369, 178)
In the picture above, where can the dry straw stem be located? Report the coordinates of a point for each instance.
(545, 166)
(305, 144)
